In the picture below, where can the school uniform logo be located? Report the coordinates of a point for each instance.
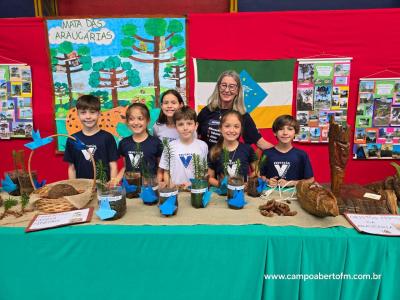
(282, 168)
(185, 159)
(231, 168)
(90, 148)
(135, 158)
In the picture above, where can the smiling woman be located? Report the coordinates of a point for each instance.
(227, 95)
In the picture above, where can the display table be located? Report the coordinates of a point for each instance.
(194, 262)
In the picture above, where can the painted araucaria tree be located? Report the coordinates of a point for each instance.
(65, 59)
(176, 71)
(162, 46)
(113, 74)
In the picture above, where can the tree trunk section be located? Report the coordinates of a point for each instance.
(156, 65)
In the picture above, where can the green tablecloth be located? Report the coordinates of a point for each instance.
(194, 262)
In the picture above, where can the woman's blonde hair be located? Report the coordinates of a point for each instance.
(238, 101)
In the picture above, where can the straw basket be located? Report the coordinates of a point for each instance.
(85, 187)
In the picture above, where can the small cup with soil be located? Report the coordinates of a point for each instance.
(235, 183)
(151, 182)
(133, 178)
(165, 193)
(198, 189)
(116, 197)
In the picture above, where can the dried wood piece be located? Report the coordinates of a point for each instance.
(354, 199)
(316, 200)
(339, 146)
(274, 207)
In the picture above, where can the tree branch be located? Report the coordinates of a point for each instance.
(143, 39)
(141, 59)
(169, 36)
(141, 51)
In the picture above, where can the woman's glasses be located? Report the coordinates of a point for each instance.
(230, 87)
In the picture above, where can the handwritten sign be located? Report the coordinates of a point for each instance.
(47, 221)
(375, 224)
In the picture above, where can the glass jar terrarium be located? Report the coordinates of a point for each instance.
(151, 184)
(197, 191)
(133, 178)
(167, 192)
(235, 184)
(116, 198)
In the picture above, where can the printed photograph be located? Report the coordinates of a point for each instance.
(323, 118)
(15, 90)
(387, 151)
(382, 110)
(304, 99)
(315, 134)
(366, 98)
(335, 91)
(335, 102)
(359, 151)
(386, 133)
(367, 86)
(304, 134)
(313, 119)
(395, 116)
(26, 87)
(26, 74)
(341, 81)
(396, 151)
(342, 69)
(306, 73)
(302, 117)
(373, 150)
(343, 103)
(360, 136)
(15, 73)
(324, 133)
(371, 135)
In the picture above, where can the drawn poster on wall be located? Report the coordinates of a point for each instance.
(322, 92)
(15, 101)
(377, 126)
(120, 60)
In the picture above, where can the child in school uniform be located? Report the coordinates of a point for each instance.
(101, 144)
(286, 165)
(182, 169)
(141, 148)
(231, 128)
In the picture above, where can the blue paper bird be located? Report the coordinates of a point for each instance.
(39, 184)
(38, 141)
(206, 198)
(261, 185)
(237, 200)
(105, 212)
(148, 195)
(78, 144)
(8, 185)
(168, 207)
(130, 188)
(223, 189)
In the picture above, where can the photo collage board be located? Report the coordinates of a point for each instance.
(377, 125)
(322, 92)
(15, 101)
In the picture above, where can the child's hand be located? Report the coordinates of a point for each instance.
(273, 182)
(283, 182)
(162, 184)
(112, 183)
(185, 186)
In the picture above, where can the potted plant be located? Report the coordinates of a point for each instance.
(149, 188)
(168, 190)
(134, 177)
(235, 183)
(200, 181)
(253, 182)
(114, 195)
